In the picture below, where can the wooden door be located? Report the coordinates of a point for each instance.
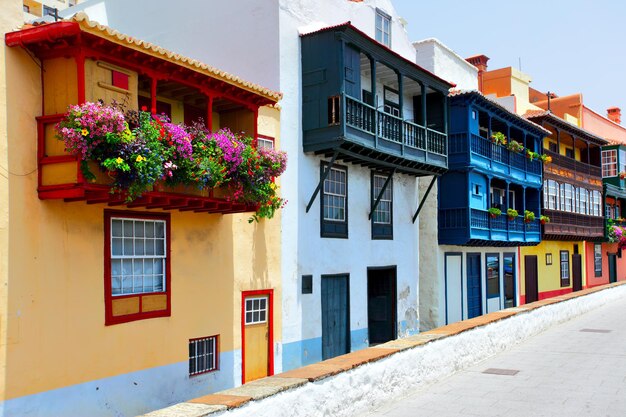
(612, 267)
(381, 305)
(352, 72)
(577, 272)
(256, 337)
(335, 316)
(530, 278)
(474, 293)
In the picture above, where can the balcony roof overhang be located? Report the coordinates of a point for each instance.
(386, 55)
(64, 38)
(468, 97)
(547, 117)
(611, 190)
(497, 243)
(354, 153)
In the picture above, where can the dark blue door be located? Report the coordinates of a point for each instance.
(474, 294)
(335, 316)
(352, 72)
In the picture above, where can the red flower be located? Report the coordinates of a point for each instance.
(144, 108)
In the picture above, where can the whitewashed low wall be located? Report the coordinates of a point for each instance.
(356, 391)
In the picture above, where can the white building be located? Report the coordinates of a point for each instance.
(350, 272)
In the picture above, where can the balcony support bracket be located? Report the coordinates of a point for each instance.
(380, 194)
(419, 208)
(321, 183)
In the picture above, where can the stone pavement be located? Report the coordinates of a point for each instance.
(577, 368)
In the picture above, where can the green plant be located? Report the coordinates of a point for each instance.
(511, 213)
(532, 155)
(498, 138)
(544, 219)
(529, 216)
(494, 212)
(515, 146)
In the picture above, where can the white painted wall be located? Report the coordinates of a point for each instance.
(436, 57)
(259, 41)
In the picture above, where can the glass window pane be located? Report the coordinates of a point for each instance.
(149, 246)
(262, 316)
(248, 317)
(149, 228)
(160, 229)
(116, 227)
(116, 285)
(128, 228)
(116, 246)
(255, 316)
(139, 250)
(139, 228)
(128, 247)
(127, 267)
(160, 247)
(137, 267)
(158, 266)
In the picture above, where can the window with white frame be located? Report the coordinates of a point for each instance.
(596, 199)
(622, 161)
(597, 259)
(335, 195)
(265, 142)
(583, 198)
(138, 256)
(202, 355)
(608, 211)
(383, 28)
(382, 214)
(256, 310)
(564, 268)
(569, 198)
(609, 163)
(551, 193)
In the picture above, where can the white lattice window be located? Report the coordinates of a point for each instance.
(552, 192)
(335, 195)
(609, 163)
(564, 265)
(382, 214)
(383, 28)
(138, 256)
(256, 310)
(265, 143)
(569, 198)
(595, 204)
(202, 355)
(583, 201)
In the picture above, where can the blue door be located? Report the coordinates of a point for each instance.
(335, 316)
(474, 294)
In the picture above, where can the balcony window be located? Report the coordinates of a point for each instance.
(596, 198)
(569, 152)
(49, 11)
(551, 194)
(568, 201)
(383, 28)
(583, 198)
(609, 163)
(608, 211)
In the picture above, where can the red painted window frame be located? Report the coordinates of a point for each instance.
(108, 296)
(270, 315)
(119, 79)
(216, 353)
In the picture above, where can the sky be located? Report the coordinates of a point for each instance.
(565, 46)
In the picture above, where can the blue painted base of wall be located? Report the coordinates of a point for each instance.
(126, 395)
(306, 352)
(405, 331)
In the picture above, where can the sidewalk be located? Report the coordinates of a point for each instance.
(577, 368)
(425, 367)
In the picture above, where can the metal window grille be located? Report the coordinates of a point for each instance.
(138, 256)
(382, 214)
(202, 355)
(335, 195)
(256, 310)
(609, 163)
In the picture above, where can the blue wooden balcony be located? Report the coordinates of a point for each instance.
(475, 227)
(471, 150)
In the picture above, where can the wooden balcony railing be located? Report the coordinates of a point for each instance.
(574, 165)
(574, 224)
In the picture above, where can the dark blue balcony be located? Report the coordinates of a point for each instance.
(475, 227)
(368, 105)
(479, 152)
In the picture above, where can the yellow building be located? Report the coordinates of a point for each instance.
(89, 328)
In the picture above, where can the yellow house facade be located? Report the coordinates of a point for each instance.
(85, 330)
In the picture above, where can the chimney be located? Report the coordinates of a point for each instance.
(614, 114)
(480, 62)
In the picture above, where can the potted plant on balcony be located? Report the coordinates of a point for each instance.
(546, 159)
(141, 151)
(544, 219)
(498, 138)
(511, 214)
(622, 175)
(515, 146)
(494, 212)
(529, 216)
(532, 155)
